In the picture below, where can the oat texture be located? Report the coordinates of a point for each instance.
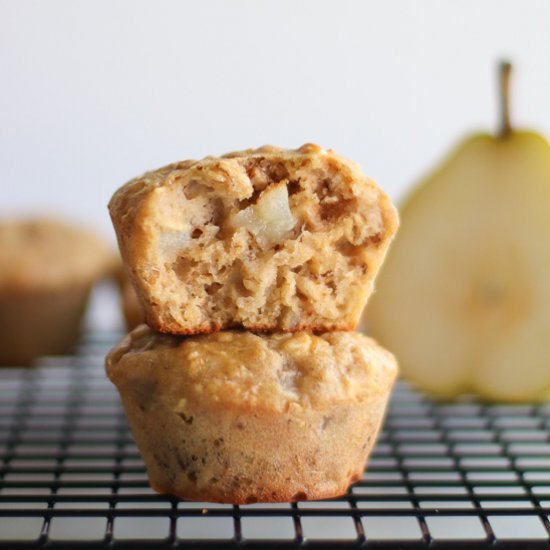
(267, 239)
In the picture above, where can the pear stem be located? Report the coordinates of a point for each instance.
(505, 70)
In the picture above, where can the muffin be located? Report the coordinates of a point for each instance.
(267, 240)
(238, 417)
(132, 311)
(47, 269)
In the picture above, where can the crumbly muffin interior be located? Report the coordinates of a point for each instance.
(261, 240)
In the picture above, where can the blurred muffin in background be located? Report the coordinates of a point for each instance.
(47, 269)
(132, 310)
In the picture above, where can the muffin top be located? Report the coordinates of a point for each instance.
(242, 370)
(44, 253)
(266, 239)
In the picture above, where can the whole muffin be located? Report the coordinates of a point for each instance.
(238, 417)
(47, 268)
(267, 239)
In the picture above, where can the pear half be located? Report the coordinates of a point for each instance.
(463, 299)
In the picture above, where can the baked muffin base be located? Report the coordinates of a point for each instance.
(294, 457)
(40, 322)
(241, 418)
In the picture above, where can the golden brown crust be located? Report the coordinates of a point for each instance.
(237, 417)
(266, 329)
(266, 239)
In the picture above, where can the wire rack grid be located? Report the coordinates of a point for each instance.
(441, 476)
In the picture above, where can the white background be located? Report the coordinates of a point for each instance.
(93, 93)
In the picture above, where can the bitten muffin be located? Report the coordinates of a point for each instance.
(267, 239)
(238, 417)
(47, 269)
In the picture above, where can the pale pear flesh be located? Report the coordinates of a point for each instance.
(463, 299)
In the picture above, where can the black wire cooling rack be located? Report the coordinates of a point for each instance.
(441, 476)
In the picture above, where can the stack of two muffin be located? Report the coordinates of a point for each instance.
(264, 260)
